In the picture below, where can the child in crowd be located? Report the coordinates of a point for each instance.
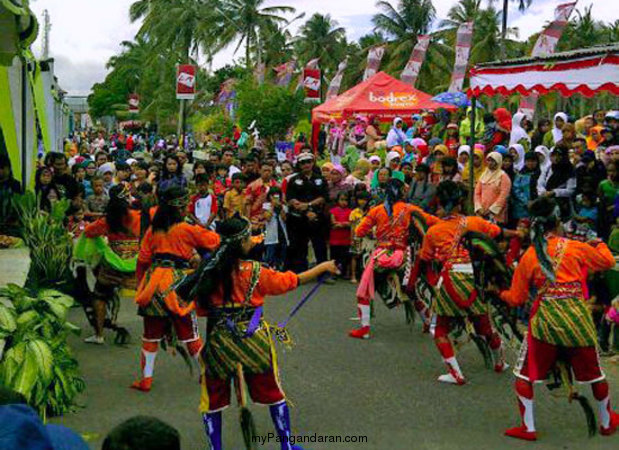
(77, 221)
(276, 235)
(45, 188)
(203, 205)
(583, 225)
(221, 183)
(361, 208)
(234, 199)
(97, 202)
(340, 235)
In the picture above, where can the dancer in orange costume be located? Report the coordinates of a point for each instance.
(164, 257)
(560, 326)
(392, 221)
(456, 296)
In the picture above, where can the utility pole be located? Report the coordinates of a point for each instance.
(47, 25)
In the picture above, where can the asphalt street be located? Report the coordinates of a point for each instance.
(383, 390)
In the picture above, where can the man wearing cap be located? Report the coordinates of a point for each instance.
(306, 195)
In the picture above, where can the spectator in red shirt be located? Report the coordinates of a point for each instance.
(340, 237)
(256, 192)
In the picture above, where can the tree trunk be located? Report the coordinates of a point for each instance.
(504, 28)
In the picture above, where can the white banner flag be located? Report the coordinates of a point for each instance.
(375, 55)
(411, 71)
(464, 40)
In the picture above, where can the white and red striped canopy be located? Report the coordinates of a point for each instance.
(585, 72)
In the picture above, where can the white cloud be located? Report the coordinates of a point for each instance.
(86, 33)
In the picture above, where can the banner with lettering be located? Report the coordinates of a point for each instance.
(185, 82)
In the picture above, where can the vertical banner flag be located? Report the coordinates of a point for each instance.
(284, 73)
(375, 55)
(411, 71)
(134, 103)
(185, 82)
(259, 72)
(312, 64)
(546, 44)
(464, 41)
(227, 96)
(311, 83)
(336, 82)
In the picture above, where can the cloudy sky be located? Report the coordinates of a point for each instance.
(85, 33)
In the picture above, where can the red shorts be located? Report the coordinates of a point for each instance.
(263, 388)
(534, 364)
(186, 328)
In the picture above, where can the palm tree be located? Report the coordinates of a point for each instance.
(401, 25)
(242, 20)
(522, 6)
(320, 37)
(583, 31)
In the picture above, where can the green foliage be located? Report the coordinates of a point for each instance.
(217, 122)
(47, 239)
(35, 359)
(275, 109)
(303, 126)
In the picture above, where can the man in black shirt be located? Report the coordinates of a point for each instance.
(306, 195)
(63, 179)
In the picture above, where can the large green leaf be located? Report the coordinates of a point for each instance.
(25, 378)
(7, 319)
(44, 358)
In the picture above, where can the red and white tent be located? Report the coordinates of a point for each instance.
(586, 71)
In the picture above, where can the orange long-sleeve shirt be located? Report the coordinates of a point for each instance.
(438, 242)
(101, 228)
(270, 282)
(180, 240)
(392, 232)
(578, 258)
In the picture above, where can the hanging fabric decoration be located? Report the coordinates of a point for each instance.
(411, 71)
(375, 55)
(464, 41)
(336, 82)
(545, 45)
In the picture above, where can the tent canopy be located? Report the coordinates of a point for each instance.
(585, 71)
(382, 96)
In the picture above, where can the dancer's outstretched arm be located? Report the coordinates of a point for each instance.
(316, 271)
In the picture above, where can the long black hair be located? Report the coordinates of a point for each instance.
(117, 208)
(450, 195)
(545, 216)
(171, 202)
(220, 267)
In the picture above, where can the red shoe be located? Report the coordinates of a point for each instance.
(143, 385)
(614, 423)
(521, 433)
(360, 333)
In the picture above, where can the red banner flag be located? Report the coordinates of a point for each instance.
(311, 83)
(411, 71)
(375, 55)
(185, 82)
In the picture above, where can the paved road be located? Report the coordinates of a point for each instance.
(383, 388)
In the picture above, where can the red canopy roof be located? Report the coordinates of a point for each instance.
(382, 96)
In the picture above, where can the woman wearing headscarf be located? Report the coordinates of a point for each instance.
(492, 190)
(436, 169)
(552, 269)
(396, 135)
(543, 156)
(337, 183)
(518, 134)
(524, 187)
(497, 129)
(464, 153)
(465, 126)
(559, 181)
(478, 165)
(555, 135)
(372, 134)
(517, 151)
(361, 171)
(594, 139)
